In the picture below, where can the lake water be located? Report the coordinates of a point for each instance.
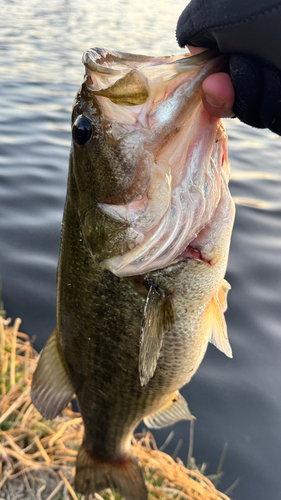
(237, 400)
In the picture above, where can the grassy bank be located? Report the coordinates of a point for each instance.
(37, 456)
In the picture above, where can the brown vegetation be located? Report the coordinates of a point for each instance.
(37, 457)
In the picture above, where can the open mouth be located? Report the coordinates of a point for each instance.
(182, 149)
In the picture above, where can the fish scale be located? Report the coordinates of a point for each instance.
(145, 241)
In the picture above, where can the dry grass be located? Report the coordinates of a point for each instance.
(31, 447)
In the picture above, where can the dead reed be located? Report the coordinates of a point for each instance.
(31, 447)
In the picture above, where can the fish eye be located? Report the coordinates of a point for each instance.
(81, 130)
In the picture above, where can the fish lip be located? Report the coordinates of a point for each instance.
(95, 59)
(104, 66)
(92, 56)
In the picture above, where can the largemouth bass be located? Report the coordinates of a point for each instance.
(145, 242)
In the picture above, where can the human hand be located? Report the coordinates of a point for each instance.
(249, 31)
(218, 91)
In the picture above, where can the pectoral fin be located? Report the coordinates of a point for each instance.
(174, 410)
(157, 318)
(216, 321)
(51, 389)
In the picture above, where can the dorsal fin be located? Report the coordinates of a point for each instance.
(216, 321)
(157, 318)
(174, 410)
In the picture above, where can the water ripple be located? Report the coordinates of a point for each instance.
(41, 46)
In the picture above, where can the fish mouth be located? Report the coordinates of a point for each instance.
(111, 62)
(184, 148)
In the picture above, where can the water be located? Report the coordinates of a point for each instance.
(236, 401)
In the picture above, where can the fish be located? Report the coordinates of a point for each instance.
(141, 287)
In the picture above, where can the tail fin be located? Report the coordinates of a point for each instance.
(94, 475)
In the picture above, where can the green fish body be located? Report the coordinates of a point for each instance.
(145, 241)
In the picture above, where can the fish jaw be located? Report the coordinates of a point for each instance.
(182, 199)
(178, 150)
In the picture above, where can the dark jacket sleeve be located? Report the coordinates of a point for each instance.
(250, 32)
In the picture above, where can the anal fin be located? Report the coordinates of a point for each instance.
(94, 475)
(51, 389)
(174, 410)
(157, 318)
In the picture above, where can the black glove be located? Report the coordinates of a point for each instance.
(250, 31)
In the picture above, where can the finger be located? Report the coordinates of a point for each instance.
(195, 50)
(218, 95)
(218, 91)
